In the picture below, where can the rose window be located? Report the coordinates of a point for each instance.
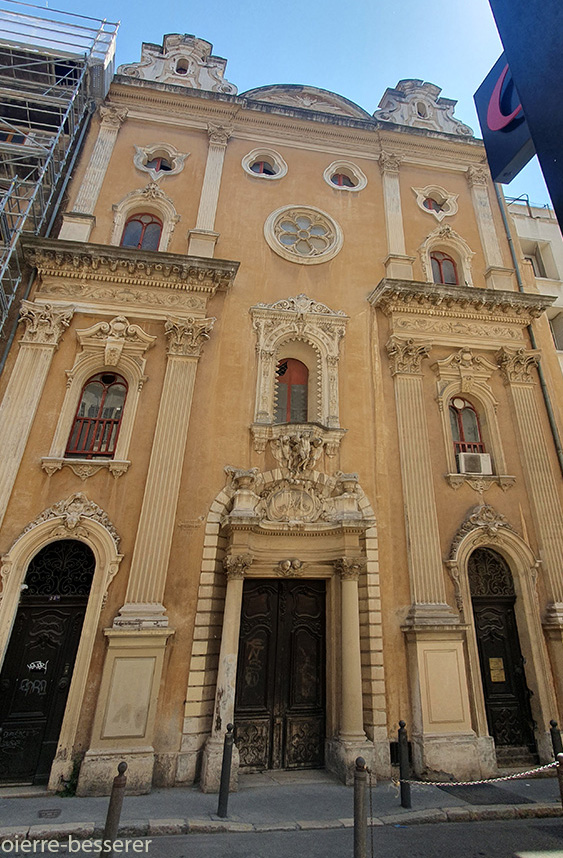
(302, 234)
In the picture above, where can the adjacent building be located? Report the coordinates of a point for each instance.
(277, 447)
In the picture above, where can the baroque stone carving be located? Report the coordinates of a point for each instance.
(447, 202)
(298, 451)
(182, 60)
(307, 98)
(477, 175)
(113, 265)
(112, 116)
(116, 335)
(145, 154)
(187, 336)
(235, 565)
(350, 568)
(417, 104)
(303, 234)
(44, 324)
(517, 365)
(389, 163)
(219, 134)
(289, 568)
(406, 356)
(444, 238)
(483, 517)
(71, 511)
(400, 295)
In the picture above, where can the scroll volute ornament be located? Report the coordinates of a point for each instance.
(517, 365)
(44, 324)
(350, 568)
(187, 336)
(235, 565)
(406, 356)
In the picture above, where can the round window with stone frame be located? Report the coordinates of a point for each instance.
(158, 160)
(264, 164)
(303, 234)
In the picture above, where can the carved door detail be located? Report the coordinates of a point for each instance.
(280, 696)
(507, 697)
(37, 670)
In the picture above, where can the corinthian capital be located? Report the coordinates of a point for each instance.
(349, 568)
(405, 356)
(389, 163)
(235, 565)
(517, 364)
(219, 134)
(44, 324)
(113, 117)
(187, 336)
(477, 176)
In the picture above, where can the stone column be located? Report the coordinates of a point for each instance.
(143, 606)
(421, 519)
(202, 239)
(224, 713)
(351, 741)
(78, 224)
(496, 275)
(128, 698)
(397, 264)
(517, 366)
(44, 327)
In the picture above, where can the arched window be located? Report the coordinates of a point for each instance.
(342, 180)
(466, 431)
(444, 269)
(292, 379)
(98, 417)
(142, 231)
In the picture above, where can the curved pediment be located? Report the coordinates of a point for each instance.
(308, 98)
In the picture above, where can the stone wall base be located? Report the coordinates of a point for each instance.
(100, 767)
(211, 767)
(447, 756)
(340, 757)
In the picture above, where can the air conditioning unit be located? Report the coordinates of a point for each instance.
(474, 463)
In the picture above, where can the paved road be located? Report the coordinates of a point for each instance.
(499, 839)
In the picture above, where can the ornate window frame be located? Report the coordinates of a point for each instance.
(150, 200)
(111, 345)
(310, 331)
(348, 168)
(316, 215)
(265, 154)
(143, 154)
(447, 200)
(447, 240)
(466, 375)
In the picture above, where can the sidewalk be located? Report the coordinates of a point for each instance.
(282, 801)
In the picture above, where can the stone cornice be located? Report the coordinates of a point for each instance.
(106, 263)
(408, 295)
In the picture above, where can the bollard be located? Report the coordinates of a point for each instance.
(404, 766)
(115, 804)
(360, 811)
(226, 772)
(556, 738)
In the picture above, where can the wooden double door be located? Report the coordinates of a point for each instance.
(280, 693)
(37, 670)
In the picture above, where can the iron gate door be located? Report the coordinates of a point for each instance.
(280, 695)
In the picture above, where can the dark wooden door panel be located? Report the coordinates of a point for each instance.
(280, 700)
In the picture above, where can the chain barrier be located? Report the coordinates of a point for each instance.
(397, 781)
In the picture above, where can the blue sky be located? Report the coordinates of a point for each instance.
(357, 48)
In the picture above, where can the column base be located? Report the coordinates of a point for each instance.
(211, 766)
(77, 226)
(497, 277)
(462, 756)
(341, 754)
(398, 266)
(141, 615)
(201, 242)
(100, 767)
(431, 614)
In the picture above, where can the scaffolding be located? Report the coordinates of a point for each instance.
(54, 67)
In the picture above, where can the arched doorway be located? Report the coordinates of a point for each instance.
(39, 662)
(506, 694)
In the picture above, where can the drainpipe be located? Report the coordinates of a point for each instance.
(543, 385)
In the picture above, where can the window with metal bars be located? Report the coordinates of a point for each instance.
(292, 382)
(142, 231)
(98, 417)
(466, 431)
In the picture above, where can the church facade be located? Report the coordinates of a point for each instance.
(280, 432)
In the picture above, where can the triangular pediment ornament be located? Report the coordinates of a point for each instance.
(307, 98)
(300, 304)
